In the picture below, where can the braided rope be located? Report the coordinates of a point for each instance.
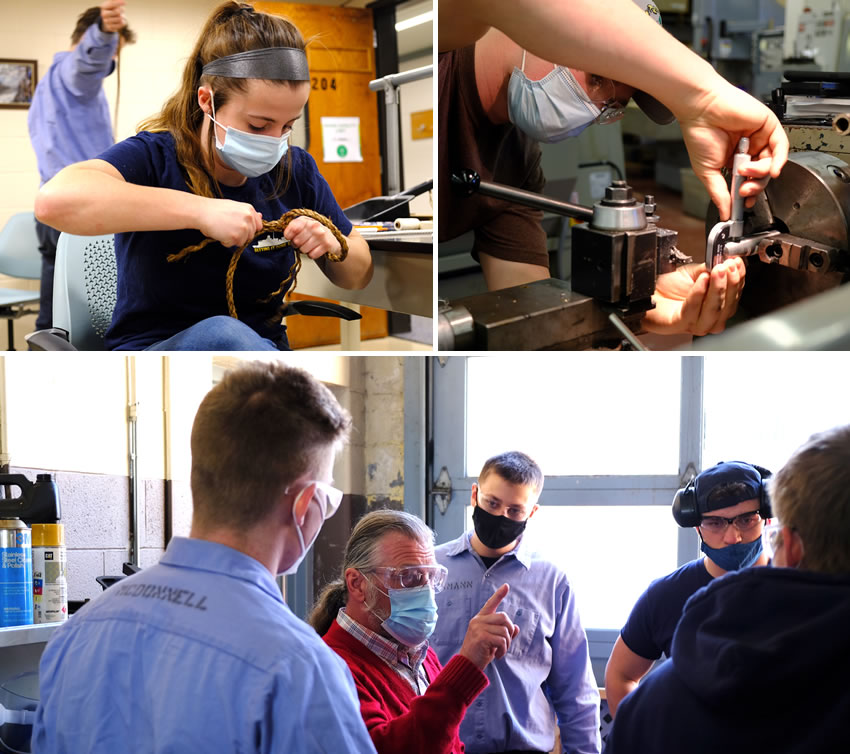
(277, 226)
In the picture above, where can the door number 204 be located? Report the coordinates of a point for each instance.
(322, 83)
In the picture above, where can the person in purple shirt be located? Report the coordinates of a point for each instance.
(69, 116)
(215, 163)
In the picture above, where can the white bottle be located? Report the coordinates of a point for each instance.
(50, 586)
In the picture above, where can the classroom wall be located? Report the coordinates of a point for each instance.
(70, 419)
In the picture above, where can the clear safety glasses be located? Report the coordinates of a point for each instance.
(601, 92)
(773, 537)
(326, 495)
(719, 524)
(408, 577)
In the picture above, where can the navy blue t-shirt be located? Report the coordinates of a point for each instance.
(158, 299)
(649, 630)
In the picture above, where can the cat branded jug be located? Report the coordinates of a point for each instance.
(15, 573)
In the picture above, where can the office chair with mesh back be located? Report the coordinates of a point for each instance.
(84, 284)
(84, 295)
(19, 258)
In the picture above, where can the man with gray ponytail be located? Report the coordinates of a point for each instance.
(378, 617)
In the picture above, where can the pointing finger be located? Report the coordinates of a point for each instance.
(491, 604)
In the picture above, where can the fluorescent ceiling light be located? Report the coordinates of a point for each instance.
(422, 18)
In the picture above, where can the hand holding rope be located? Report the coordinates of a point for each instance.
(277, 226)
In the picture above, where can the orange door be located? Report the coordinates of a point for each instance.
(342, 63)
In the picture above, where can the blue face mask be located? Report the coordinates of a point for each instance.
(551, 109)
(413, 615)
(249, 154)
(734, 557)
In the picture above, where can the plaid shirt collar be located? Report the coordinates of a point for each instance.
(391, 652)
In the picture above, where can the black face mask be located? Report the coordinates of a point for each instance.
(496, 532)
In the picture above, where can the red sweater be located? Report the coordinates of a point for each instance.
(398, 720)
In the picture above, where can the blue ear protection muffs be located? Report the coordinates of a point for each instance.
(687, 513)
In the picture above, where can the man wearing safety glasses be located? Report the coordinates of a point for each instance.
(379, 616)
(512, 75)
(728, 504)
(200, 652)
(759, 659)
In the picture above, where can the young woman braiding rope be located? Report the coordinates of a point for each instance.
(214, 163)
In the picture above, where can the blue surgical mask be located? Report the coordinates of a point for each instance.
(734, 557)
(249, 154)
(413, 615)
(551, 109)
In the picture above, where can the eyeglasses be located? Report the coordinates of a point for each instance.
(601, 92)
(328, 497)
(773, 536)
(409, 577)
(719, 524)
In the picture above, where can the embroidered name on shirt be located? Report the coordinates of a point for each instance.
(459, 585)
(182, 597)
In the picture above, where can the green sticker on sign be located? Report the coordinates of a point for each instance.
(341, 150)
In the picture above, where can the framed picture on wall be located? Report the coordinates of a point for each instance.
(17, 82)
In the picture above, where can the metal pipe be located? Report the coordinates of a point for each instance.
(469, 182)
(133, 461)
(390, 84)
(394, 80)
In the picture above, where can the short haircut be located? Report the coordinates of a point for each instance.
(361, 553)
(255, 433)
(514, 467)
(92, 16)
(811, 493)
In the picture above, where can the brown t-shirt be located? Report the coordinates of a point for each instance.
(498, 153)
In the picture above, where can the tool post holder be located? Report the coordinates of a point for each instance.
(617, 250)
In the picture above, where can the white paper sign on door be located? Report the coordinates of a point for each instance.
(341, 140)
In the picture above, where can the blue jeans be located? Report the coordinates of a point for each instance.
(219, 333)
(47, 239)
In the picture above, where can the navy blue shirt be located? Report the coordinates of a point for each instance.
(759, 664)
(649, 630)
(157, 298)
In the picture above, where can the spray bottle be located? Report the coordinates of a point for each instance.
(49, 561)
(15, 573)
(38, 504)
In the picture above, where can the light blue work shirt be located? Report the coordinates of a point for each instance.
(69, 115)
(198, 653)
(547, 667)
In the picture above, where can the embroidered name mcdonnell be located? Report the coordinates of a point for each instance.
(181, 597)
